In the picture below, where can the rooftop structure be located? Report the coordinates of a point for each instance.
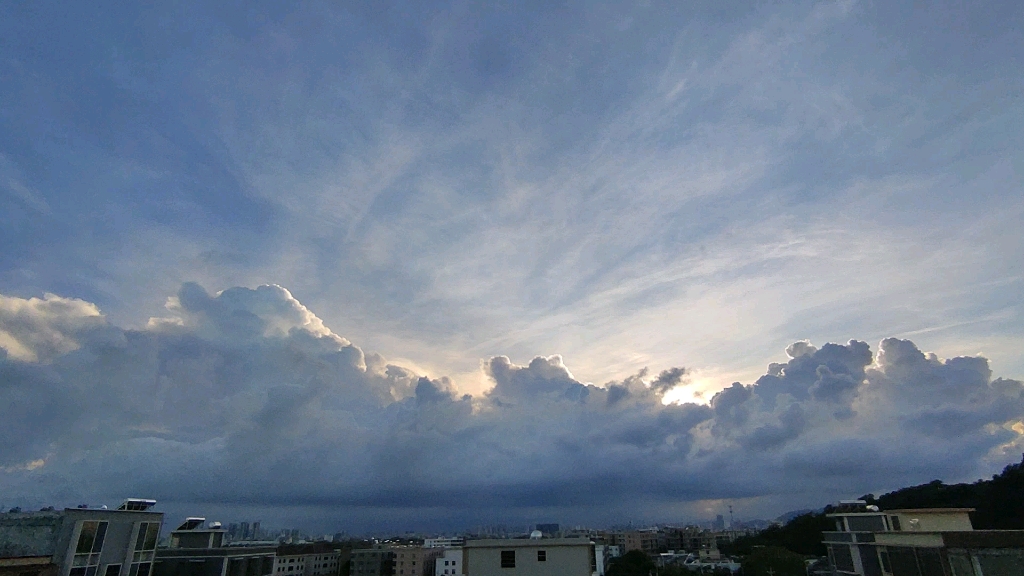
(919, 542)
(198, 550)
(85, 541)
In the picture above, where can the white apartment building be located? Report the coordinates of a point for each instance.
(450, 564)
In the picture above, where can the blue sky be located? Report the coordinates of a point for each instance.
(627, 185)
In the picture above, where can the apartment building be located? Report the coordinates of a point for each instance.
(920, 542)
(198, 550)
(82, 541)
(449, 563)
(528, 557)
(310, 559)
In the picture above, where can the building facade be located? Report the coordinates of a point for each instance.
(533, 557)
(920, 542)
(442, 542)
(86, 541)
(375, 561)
(312, 559)
(199, 551)
(449, 564)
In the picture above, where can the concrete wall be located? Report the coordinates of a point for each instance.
(36, 566)
(29, 533)
(934, 521)
(561, 560)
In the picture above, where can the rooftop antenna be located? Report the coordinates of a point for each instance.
(730, 517)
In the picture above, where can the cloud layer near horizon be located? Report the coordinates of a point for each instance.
(246, 399)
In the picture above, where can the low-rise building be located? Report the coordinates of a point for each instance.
(375, 561)
(920, 542)
(529, 557)
(443, 542)
(83, 541)
(311, 559)
(449, 563)
(196, 550)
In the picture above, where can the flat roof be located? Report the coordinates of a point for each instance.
(528, 543)
(930, 510)
(233, 552)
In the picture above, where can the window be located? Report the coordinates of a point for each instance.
(140, 569)
(508, 558)
(883, 555)
(87, 550)
(542, 556)
(895, 523)
(112, 570)
(842, 557)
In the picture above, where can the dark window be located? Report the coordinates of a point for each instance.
(842, 556)
(152, 535)
(895, 523)
(78, 572)
(508, 558)
(101, 531)
(113, 570)
(865, 523)
(87, 537)
(929, 560)
(542, 556)
(903, 561)
(883, 555)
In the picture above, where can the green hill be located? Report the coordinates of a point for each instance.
(998, 504)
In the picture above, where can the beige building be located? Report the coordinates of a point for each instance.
(311, 559)
(920, 542)
(532, 557)
(394, 560)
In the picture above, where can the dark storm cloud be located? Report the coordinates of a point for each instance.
(245, 397)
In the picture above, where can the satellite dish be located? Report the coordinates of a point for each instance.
(536, 535)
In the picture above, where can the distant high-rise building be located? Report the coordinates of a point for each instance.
(256, 534)
(243, 531)
(719, 523)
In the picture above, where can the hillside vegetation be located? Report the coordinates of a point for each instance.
(998, 505)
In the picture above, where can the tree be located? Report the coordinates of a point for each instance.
(773, 561)
(632, 563)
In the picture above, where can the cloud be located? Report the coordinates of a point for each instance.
(39, 330)
(245, 399)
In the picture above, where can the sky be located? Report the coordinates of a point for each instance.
(427, 265)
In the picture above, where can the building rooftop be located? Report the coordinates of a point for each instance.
(528, 542)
